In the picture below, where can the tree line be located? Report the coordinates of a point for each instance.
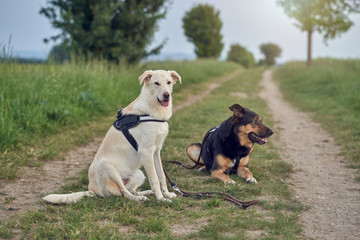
(202, 26)
(122, 30)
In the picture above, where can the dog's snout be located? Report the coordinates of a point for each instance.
(166, 95)
(270, 132)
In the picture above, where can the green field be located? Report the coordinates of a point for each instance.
(330, 91)
(275, 217)
(49, 109)
(41, 106)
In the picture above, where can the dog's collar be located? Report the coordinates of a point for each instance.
(124, 122)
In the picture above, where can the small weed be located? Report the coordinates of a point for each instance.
(9, 200)
(152, 224)
(6, 230)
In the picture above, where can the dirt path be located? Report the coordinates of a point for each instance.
(25, 192)
(321, 179)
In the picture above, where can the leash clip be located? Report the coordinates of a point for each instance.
(176, 188)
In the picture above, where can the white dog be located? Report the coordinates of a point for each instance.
(116, 166)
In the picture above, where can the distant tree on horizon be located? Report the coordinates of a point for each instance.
(270, 51)
(202, 27)
(241, 55)
(60, 53)
(330, 18)
(106, 29)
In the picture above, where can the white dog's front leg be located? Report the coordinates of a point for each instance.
(146, 157)
(161, 175)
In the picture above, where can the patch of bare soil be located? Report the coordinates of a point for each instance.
(187, 228)
(25, 192)
(239, 94)
(321, 179)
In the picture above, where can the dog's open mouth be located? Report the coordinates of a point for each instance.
(256, 139)
(164, 103)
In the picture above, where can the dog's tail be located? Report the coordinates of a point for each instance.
(67, 198)
(194, 151)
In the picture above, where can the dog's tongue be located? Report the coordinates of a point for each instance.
(165, 103)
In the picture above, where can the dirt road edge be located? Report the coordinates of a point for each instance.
(321, 180)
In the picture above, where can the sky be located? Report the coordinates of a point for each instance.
(249, 23)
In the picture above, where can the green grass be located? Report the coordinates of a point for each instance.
(42, 106)
(331, 91)
(275, 217)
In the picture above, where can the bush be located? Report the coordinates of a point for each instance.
(240, 55)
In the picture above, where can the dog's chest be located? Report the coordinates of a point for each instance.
(161, 133)
(149, 133)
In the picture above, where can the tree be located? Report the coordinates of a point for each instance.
(60, 53)
(202, 27)
(327, 17)
(240, 55)
(107, 29)
(271, 51)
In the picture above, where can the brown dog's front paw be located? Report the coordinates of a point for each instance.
(251, 180)
(219, 174)
(231, 182)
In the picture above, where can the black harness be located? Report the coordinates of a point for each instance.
(124, 122)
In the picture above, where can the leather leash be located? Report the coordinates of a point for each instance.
(226, 196)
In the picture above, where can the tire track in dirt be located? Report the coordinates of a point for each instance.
(320, 179)
(25, 192)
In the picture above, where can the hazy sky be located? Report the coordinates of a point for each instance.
(247, 22)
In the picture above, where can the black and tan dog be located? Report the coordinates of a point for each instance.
(227, 149)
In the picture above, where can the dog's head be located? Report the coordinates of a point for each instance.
(247, 126)
(160, 84)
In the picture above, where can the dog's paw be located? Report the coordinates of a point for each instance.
(169, 194)
(164, 200)
(231, 182)
(140, 198)
(251, 180)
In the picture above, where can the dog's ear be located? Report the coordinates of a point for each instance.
(175, 76)
(146, 76)
(238, 112)
(226, 127)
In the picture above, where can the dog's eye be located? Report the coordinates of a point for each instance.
(156, 83)
(168, 83)
(256, 122)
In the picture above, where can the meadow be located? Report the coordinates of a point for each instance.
(42, 107)
(274, 217)
(49, 109)
(330, 91)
